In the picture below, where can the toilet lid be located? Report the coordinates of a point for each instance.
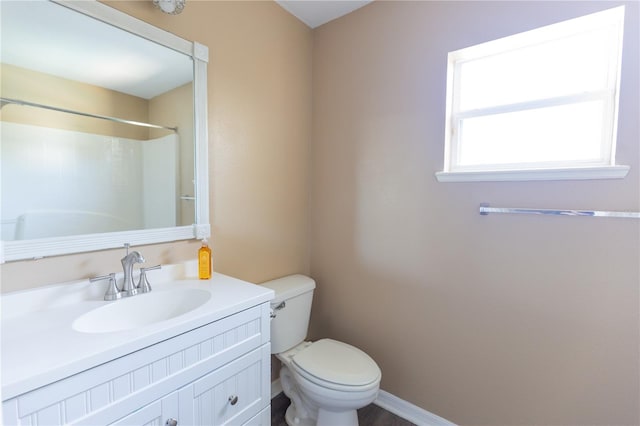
(337, 362)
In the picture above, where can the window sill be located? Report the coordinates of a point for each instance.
(572, 173)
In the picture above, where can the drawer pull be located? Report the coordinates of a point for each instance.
(233, 399)
(171, 422)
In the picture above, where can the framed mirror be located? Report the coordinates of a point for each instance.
(103, 131)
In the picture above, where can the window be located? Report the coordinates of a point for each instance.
(537, 105)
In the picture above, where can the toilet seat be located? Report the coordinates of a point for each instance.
(336, 365)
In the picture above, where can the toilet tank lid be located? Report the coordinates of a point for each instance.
(289, 287)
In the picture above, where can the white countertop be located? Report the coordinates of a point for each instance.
(39, 345)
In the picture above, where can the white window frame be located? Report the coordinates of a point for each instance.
(605, 168)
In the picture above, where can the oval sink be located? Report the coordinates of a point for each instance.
(141, 310)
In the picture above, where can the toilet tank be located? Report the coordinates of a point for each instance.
(292, 309)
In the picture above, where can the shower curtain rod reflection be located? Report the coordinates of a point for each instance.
(7, 101)
(485, 210)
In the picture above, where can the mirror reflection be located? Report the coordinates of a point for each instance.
(96, 127)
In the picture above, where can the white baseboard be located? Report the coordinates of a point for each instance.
(394, 405)
(408, 411)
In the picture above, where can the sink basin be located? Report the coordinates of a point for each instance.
(141, 310)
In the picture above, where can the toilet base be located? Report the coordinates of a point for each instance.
(325, 418)
(343, 418)
(292, 419)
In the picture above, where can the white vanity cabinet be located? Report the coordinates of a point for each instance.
(215, 374)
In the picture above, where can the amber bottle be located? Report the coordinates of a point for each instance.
(204, 261)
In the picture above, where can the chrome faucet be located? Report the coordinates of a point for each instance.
(128, 287)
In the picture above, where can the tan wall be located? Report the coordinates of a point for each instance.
(497, 320)
(259, 88)
(32, 86)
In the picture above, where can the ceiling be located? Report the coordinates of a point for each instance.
(317, 12)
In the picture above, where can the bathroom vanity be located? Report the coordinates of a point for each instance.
(190, 352)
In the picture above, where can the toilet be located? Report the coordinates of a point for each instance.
(326, 380)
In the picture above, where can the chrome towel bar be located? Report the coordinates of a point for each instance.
(485, 210)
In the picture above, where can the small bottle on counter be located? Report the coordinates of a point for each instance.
(204, 261)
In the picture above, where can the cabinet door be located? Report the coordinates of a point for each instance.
(158, 413)
(230, 395)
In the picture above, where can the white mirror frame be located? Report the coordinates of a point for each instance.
(44, 247)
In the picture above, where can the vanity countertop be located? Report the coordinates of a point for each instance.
(40, 346)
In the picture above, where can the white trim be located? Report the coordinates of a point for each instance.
(200, 52)
(570, 173)
(408, 411)
(571, 99)
(56, 246)
(394, 405)
(201, 139)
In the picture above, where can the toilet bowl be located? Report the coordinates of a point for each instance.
(326, 380)
(334, 379)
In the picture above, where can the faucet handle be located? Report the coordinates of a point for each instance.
(112, 289)
(143, 285)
